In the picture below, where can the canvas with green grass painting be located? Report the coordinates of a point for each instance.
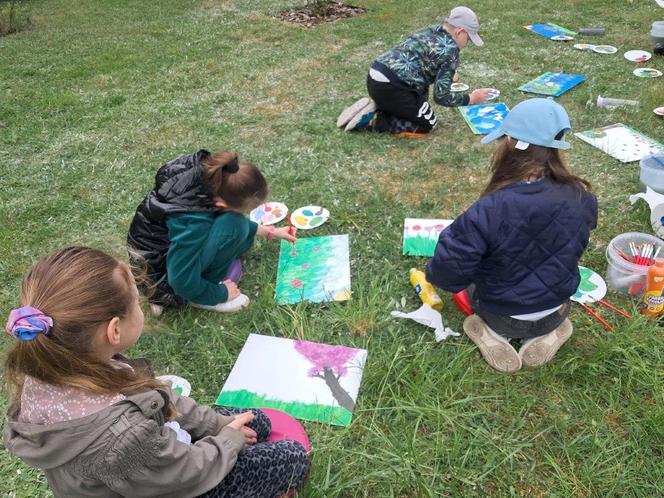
(308, 380)
(420, 235)
(314, 269)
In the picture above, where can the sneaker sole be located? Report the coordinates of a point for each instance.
(499, 356)
(538, 353)
(349, 112)
(411, 134)
(370, 107)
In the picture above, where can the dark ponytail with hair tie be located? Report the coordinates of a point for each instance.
(232, 167)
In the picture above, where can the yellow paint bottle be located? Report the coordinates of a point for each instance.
(425, 290)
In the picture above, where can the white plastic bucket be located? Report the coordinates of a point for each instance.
(652, 173)
(624, 276)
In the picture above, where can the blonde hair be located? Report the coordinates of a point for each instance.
(80, 288)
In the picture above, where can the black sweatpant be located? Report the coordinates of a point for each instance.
(400, 107)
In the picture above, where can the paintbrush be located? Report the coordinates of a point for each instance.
(292, 231)
(621, 253)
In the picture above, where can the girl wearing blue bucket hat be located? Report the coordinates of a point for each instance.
(517, 248)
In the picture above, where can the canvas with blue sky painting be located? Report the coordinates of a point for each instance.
(484, 118)
(549, 30)
(552, 84)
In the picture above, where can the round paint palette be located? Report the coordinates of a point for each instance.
(659, 111)
(493, 94)
(592, 287)
(178, 384)
(459, 87)
(637, 55)
(604, 49)
(308, 217)
(269, 213)
(562, 38)
(646, 72)
(584, 46)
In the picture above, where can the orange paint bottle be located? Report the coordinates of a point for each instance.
(653, 300)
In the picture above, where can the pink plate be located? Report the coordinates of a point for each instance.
(659, 111)
(286, 427)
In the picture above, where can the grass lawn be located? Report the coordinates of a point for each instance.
(99, 93)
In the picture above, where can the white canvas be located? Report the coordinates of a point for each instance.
(621, 142)
(271, 372)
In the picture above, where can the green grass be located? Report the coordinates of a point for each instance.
(99, 93)
(337, 415)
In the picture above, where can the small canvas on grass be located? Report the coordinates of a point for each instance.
(621, 142)
(553, 84)
(315, 269)
(484, 118)
(308, 380)
(420, 235)
(549, 30)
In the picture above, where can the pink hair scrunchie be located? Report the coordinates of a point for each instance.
(26, 323)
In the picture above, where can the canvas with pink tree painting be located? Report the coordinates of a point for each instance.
(420, 235)
(308, 380)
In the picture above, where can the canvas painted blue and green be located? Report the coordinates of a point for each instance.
(553, 84)
(549, 30)
(484, 118)
(315, 269)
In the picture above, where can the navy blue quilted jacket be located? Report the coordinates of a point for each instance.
(519, 245)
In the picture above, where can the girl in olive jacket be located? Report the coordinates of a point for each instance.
(98, 426)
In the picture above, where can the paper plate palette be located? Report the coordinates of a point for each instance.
(308, 217)
(604, 49)
(646, 72)
(592, 287)
(493, 94)
(561, 38)
(659, 111)
(584, 46)
(459, 87)
(178, 384)
(637, 55)
(269, 213)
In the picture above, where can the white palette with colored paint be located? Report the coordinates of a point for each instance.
(309, 217)
(269, 213)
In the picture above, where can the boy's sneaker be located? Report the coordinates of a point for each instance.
(236, 304)
(496, 350)
(363, 117)
(540, 350)
(349, 112)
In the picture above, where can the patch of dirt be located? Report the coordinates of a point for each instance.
(315, 12)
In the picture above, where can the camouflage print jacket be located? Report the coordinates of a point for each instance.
(429, 56)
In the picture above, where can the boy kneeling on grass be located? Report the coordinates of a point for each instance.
(398, 80)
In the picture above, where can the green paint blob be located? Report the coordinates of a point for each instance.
(314, 222)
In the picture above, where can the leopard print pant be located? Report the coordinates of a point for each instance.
(264, 470)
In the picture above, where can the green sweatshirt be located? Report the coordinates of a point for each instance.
(202, 247)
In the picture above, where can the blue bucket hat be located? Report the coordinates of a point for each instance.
(534, 121)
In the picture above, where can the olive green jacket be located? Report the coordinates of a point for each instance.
(125, 450)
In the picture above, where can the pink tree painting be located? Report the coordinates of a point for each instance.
(330, 363)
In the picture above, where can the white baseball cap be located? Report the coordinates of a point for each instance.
(463, 17)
